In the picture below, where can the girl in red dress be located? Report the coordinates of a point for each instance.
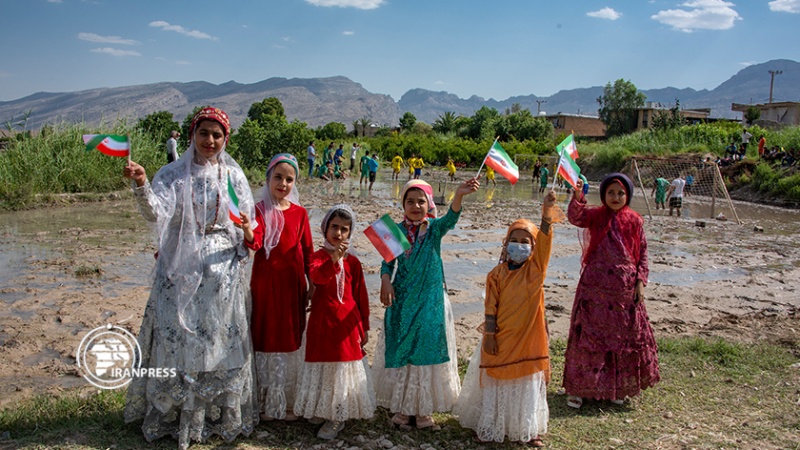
(334, 382)
(281, 238)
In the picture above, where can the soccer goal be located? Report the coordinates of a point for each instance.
(706, 191)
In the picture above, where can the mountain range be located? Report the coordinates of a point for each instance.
(318, 101)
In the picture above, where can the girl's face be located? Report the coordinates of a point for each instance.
(338, 230)
(209, 138)
(281, 180)
(520, 236)
(416, 204)
(616, 197)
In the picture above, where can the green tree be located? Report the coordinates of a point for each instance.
(618, 106)
(752, 114)
(365, 123)
(669, 119)
(445, 123)
(158, 125)
(522, 126)
(407, 121)
(187, 123)
(332, 131)
(270, 106)
(484, 124)
(248, 145)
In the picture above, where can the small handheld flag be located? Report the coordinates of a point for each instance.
(233, 203)
(109, 144)
(569, 144)
(387, 238)
(567, 167)
(498, 159)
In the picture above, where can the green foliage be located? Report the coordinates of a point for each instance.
(784, 183)
(187, 123)
(332, 131)
(752, 114)
(445, 123)
(669, 119)
(522, 126)
(256, 142)
(158, 125)
(483, 124)
(408, 121)
(270, 106)
(618, 107)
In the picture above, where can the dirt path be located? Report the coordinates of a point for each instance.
(72, 269)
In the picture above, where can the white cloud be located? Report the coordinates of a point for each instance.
(55, 1)
(700, 15)
(605, 13)
(358, 4)
(747, 63)
(91, 37)
(182, 62)
(348, 33)
(179, 29)
(790, 6)
(115, 51)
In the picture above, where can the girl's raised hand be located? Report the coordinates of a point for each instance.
(340, 250)
(135, 172)
(468, 187)
(549, 199)
(245, 226)
(578, 191)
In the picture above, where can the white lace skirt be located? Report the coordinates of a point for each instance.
(515, 408)
(277, 375)
(418, 390)
(335, 391)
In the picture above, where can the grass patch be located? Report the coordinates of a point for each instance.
(88, 271)
(713, 394)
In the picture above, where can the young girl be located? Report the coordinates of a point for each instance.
(611, 352)
(415, 368)
(283, 245)
(334, 382)
(505, 389)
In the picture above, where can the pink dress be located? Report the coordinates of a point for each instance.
(611, 352)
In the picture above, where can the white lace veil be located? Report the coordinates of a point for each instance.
(327, 245)
(182, 224)
(273, 216)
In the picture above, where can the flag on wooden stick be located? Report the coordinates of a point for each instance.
(569, 145)
(499, 160)
(567, 167)
(387, 238)
(233, 203)
(109, 144)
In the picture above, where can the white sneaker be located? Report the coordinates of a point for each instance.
(330, 430)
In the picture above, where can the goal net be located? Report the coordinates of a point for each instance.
(705, 194)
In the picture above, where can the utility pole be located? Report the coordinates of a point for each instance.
(772, 74)
(539, 106)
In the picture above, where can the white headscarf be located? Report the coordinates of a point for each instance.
(273, 216)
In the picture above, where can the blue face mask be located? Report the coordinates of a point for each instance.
(517, 252)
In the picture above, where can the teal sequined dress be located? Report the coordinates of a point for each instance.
(414, 326)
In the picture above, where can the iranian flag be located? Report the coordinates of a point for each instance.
(233, 203)
(569, 145)
(499, 160)
(568, 168)
(387, 238)
(109, 144)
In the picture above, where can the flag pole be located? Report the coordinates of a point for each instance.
(130, 150)
(484, 158)
(558, 167)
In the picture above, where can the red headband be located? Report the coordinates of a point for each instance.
(211, 113)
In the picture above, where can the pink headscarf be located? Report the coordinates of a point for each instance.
(424, 187)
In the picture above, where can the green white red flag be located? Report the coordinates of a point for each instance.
(233, 203)
(387, 237)
(569, 145)
(109, 144)
(499, 160)
(567, 167)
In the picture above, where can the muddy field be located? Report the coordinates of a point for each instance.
(67, 270)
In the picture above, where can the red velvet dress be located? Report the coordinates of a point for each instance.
(335, 328)
(279, 284)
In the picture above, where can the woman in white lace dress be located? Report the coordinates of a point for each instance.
(195, 320)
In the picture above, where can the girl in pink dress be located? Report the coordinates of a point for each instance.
(611, 352)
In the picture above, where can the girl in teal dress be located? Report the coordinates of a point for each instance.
(415, 368)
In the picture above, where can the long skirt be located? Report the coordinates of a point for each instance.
(418, 390)
(335, 391)
(277, 381)
(515, 408)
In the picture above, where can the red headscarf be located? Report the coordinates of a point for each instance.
(211, 113)
(628, 221)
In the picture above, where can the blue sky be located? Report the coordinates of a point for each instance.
(493, 49)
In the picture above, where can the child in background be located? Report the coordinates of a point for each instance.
(283, 245)
(611, 352)
(451, 169)
(415, 367)
(411, 162)
(543, 173)
(335, 383)
(397, 164)
(490, 177)
(418, 165)
(505, 388)
(659, 191)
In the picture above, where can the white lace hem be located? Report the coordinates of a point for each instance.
(418, 390)
(277, 375)
(514, 408)
(335, 391)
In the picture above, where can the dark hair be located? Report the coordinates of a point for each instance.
(413, 189)
(626, 182)
(341, 214)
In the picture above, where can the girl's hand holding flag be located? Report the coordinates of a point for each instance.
(245, 226)
(135, 172)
